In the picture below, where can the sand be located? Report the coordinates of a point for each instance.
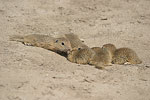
(32, 73)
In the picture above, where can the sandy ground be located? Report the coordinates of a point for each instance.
(32, 73)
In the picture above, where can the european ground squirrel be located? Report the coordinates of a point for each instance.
(123, 55)
(75, 41)
(80, 53)
(80, 56)
(99, 57)
(105, 56)
(60, 44)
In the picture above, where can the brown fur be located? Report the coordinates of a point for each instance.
(124, 55)
(44, 41)
(110, 47)
(75, 41)
(99, 57)
(81, 56)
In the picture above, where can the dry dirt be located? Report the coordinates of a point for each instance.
(32, 73)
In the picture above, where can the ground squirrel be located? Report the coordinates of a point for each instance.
(102, 57)
(99, 57)
(75, 41)
(105, 56)
(110, 47)
(60, 44)
(123, 55)
(80, 56)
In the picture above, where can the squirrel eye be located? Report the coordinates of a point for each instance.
(62, 43)
(79, 48)
(56, 41)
